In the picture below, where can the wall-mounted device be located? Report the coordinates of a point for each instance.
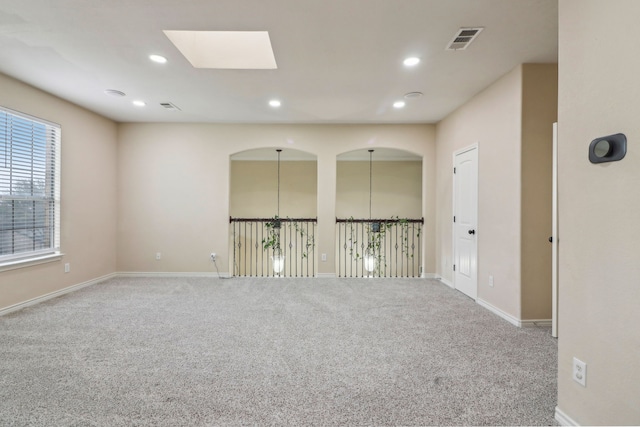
(608, 148)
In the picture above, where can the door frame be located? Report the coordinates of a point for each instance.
(474, 146)
(554, 236)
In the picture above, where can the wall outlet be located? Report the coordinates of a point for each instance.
(491, 280)
(323, 257)
(158, 256)
(579, 372)
(67, 267)
(213, 257)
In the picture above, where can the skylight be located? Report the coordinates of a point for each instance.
(225, 49)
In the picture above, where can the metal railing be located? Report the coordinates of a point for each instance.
(389, 247)
(274, 247)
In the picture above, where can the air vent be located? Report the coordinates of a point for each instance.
(463, 38)
(169, 106)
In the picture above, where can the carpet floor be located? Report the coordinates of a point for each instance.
(203, 351)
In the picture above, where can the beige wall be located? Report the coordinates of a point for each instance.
(599, 204)
(511, 121)
(493, 120)
(539, 112)
(88, 196)
(254, 189)
(396, 189)
(174, 183)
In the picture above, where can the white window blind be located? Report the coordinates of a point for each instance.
(29, 186)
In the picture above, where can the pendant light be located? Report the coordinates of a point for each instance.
(278, 257)
(369, 258)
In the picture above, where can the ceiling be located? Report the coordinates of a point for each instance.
(338, 61)
(378, 154)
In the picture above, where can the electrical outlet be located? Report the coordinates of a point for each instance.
(580, 372)
(158, 256)
(323, 257)
(491, 280)
(213, 257)
(67, 267)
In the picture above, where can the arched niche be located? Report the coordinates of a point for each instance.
(253, 189)
(396, 184)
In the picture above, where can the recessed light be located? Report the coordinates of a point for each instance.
(157, 58)
(398, 104)
(275, 103)
(411, 61)
(139, 103)
(114, 92)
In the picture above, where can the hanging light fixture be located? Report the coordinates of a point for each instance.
(278, 257)
(369, 258)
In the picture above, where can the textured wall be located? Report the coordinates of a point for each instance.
(87, 194)
(174, 183)
(599, 204)
(493, 120)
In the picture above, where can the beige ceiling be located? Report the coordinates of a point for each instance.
(339, 61)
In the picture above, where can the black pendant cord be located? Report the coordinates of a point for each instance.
(370, 179)
(279, 151)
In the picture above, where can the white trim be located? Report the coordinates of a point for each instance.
(446, 282)
(170, 274)
(528, 323)
(564, 419)
(532, 323)
(509, 318)
(42, 298)
(429, 276)
(326, 275)
(554, 235)
(29, 262)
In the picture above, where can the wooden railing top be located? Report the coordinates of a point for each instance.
(382, 220)
(232, 219)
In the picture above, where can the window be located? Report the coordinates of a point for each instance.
(29, 187)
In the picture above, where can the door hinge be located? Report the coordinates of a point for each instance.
(454, 267)
(454, 218)
(454, 170)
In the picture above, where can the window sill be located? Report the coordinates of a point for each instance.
(29, 262)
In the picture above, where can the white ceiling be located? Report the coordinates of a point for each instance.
(339, 61)
(379, 154)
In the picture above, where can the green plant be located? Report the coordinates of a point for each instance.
(272, 239)
(308, 242)
(274, 229)
(376, 233)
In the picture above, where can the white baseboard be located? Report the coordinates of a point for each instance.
(446, 282)
(429, 276)
(171, 274)
(326, 275)
(495, 310)
(533, 323)
(528, 323)
(564, 419)
(51, 295)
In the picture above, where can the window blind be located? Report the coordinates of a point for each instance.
(29, 186)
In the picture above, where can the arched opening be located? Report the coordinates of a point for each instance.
(273, 209)
(379, 213)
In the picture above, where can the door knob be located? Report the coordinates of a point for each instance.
(472, 231)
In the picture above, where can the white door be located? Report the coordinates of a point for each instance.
(554, 237)
(465, 211)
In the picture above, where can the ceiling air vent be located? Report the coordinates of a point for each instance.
(169, 106)
(463, 38)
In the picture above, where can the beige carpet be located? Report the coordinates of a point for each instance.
(200, 351)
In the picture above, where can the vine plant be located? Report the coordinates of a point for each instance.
(376, 232)
(272, 240)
